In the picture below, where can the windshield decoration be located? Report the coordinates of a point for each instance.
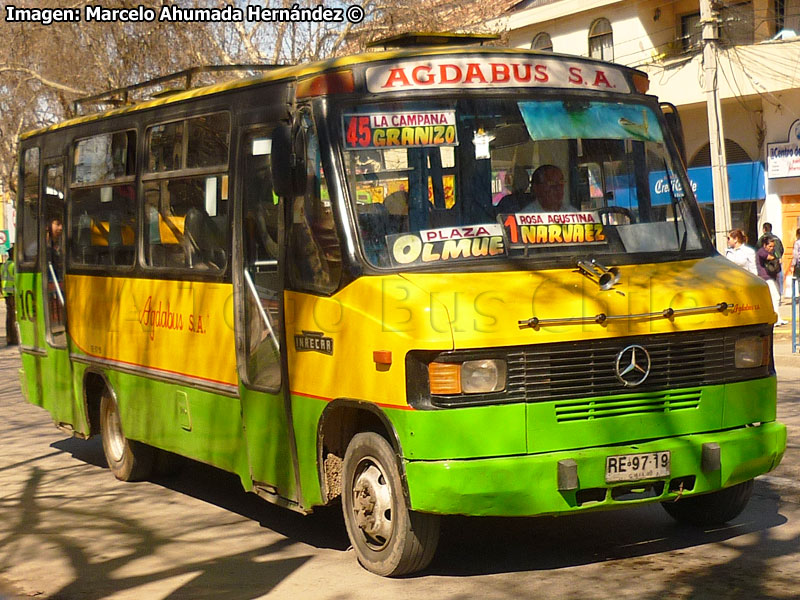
(447, 244)
(528, 183)
(553, 229)
(400, 130)
(500, 72)
(566, 120)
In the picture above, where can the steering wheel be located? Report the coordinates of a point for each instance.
(616, 215)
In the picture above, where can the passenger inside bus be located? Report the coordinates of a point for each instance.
(519, 196)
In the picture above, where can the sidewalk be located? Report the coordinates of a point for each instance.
(782, 340)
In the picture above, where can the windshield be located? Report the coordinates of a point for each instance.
(498, 180)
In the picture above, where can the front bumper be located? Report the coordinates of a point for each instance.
(528, 485)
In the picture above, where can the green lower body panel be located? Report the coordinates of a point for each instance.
(528, 485)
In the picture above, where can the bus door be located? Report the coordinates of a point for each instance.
(259, 322)
(56, 367)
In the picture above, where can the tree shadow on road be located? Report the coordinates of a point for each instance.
(322, 529)
(35, 518)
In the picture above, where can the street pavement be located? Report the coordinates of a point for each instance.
(69, 531)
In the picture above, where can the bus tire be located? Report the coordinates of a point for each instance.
(128, 460)
(715, 508)
(388, 538)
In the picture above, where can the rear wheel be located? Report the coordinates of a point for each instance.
(388, 538)
(128, 460)
(711, 509)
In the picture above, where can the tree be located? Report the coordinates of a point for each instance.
(45, 68)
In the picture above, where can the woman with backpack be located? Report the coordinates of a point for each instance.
(768, 267)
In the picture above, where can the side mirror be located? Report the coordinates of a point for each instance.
(675, 127)
(282, 162)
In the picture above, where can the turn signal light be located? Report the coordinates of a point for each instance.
(340, 82)
(445, 378)
(641, 82)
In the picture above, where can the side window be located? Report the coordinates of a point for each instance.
(186, 222)
(543, 42)
(54, 205)
(165, 144)
(261, 215)
(208, 141)
(102, 208)
(28, 210)
(186, 215)
(315, 257)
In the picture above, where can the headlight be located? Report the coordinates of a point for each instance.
(752, 352)
(481, 376)
(470, 377)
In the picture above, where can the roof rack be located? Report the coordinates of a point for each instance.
(412, 39)
(119, 96)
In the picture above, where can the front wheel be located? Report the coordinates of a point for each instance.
(128, 460)
(715, 508)
(388, 538)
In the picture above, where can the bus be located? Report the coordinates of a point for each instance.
(450, 279)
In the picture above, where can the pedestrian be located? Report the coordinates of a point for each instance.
(9, 270)
(768, 267)
(740, 253)
(766, 233)
(795, 258)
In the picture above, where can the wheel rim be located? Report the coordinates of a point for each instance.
(372, 504)
(116, 440)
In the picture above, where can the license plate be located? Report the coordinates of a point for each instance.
(633, 467)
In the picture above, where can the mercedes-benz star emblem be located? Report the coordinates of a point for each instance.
(632, 366)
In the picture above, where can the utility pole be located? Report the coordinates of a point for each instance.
(716, 135)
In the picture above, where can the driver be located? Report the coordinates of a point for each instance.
(547, 187)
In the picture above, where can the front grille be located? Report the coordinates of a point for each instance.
(634, 404)
(572, 371)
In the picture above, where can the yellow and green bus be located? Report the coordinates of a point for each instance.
(429, 281)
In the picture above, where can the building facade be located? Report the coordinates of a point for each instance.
(758, 78)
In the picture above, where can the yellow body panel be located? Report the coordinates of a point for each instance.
(486, 310)
(172, 327)
(371, 314)
(442, 311)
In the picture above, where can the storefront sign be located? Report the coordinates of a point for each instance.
(783, 158)
(745, 183)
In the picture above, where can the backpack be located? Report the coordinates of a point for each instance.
(772, 265)
(778, 246)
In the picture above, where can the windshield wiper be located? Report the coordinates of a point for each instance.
(674, 202)
(602, 318)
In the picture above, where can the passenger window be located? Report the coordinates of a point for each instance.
(261, 210)
(28, 233)
(187, 222)
(165, 143)
(103, 225)
(105, 158)
(54, 206)
(315, 257)
(208, 141)
(102, 211)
